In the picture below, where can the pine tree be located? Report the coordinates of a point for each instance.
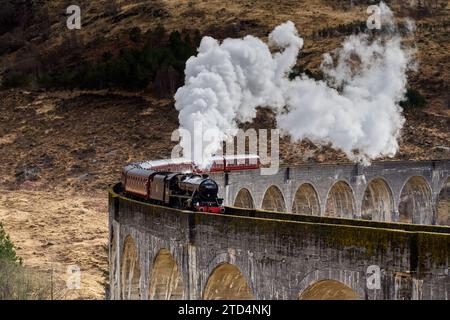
(7, 251)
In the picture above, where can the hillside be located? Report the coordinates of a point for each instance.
(79, 140)
(70, 117)
(39, 41)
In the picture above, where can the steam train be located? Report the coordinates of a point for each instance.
(179, 183)
(187, 191)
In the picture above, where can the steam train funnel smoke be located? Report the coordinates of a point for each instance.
(355, 109)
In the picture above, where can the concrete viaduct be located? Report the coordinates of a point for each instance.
(317, 251)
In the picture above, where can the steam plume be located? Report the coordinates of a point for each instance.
(356, 109)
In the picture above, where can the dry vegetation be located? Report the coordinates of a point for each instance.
(61, 149)
(51, 233)
(45, 43)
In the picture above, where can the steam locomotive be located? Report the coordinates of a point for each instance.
(180, 183)
(188, 191)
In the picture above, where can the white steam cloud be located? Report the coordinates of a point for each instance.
(356, 109)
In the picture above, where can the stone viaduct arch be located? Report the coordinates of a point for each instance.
(244, 199)
(328, 290)
(340, 201)
(130, 271)
(443, 205)
(226, 282)
(331, 283)
(378, 202)
(165, 278)
(415, 205)
(306, 200)
(273, 200)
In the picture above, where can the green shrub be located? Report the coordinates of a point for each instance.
(15, 80)
(130, 69)
(18, 282)
(135, 34)
(8, 16)
(413, 99)
(7, 251)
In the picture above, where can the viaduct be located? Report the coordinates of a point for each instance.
(307, 232)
